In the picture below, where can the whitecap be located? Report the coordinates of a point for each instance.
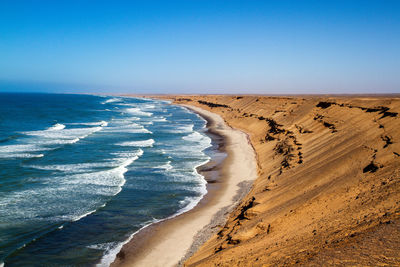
(159, 119)
(21, 148)
(167, 166)
(128, 128)
(99, 123)
(55, 127)
(21, 155)
(112, 100)
(139, 153)
(138, 112)
(143, 143)
(181, 129)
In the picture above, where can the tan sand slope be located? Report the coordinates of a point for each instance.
(328, 189)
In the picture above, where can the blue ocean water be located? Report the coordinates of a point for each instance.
(80, 174)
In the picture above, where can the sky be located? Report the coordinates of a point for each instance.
(200, 46)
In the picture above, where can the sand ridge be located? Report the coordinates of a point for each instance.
(328, 181)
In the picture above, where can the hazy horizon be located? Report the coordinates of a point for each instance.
(221, 47)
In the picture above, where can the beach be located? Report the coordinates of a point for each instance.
(165, 244)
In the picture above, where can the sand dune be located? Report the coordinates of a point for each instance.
(328, 187)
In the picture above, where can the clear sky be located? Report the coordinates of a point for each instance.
(200, 46)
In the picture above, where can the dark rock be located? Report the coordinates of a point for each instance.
(212, 105)
(243, 210)
(324, 105)
(372, 167)
(387, 140)
(268, 137)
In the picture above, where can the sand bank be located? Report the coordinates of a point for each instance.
(328, 191)
(165, 244)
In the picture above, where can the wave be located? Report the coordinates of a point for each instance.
(180, 129)
(130, 127)
(159, 119)
(148, 106)
(114, 248)
(189, 203)
(138, 112)
(167, 166)
(55, 127)
(197, 137)
(21, 151)
(122, 159)
(64, 133)
(84, 215)
(111, 100)
(146, 123)
(22, 155)
(144, 143)
(20, 148)
(99, 123)
(73, 168)
(55, 135)
(112, 178)
(139, 153)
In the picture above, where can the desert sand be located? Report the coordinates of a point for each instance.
(328, 185)
(167, 243)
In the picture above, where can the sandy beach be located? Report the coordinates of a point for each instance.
(165, 244)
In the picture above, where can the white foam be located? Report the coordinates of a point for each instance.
(129, 130)
(72, 168)
(188, 203)
(21, 148)
(144, 143)
(112, 100)
(167, 166)
(112, 251)
(22, 155)
(197, 137)
(159, 119)
(181, 129)
(113, 177)
(148, 106)
(59, 141)
(99, 123)
(138, 112)
(55, 127)
(21, 151)
(148, 123)
(127, 127)
(139, 153)
(83, 215)
(61, 136)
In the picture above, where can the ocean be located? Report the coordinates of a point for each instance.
(81, 174)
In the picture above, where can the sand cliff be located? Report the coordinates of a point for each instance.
(328, 187)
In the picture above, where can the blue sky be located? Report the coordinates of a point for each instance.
(200, 46)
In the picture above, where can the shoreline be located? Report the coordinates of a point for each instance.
(171, 241)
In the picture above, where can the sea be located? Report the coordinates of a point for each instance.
(81, 174)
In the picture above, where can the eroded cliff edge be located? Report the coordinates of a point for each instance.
(328, 190)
